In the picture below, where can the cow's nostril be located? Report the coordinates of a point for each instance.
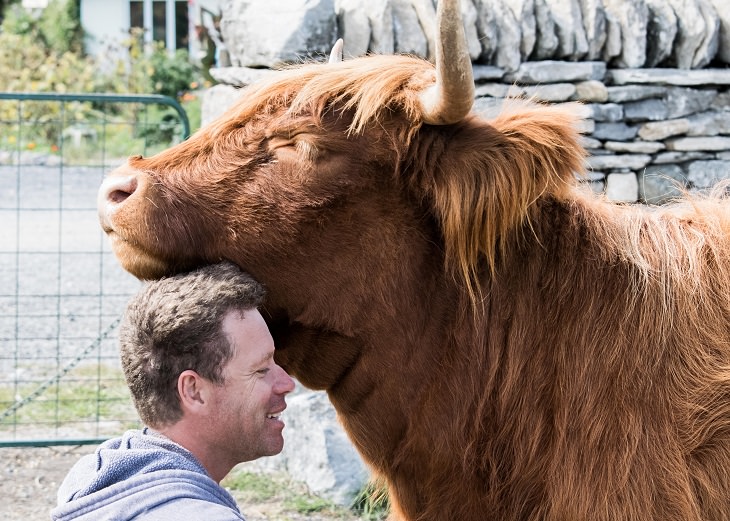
(118, 196)
(119, 190)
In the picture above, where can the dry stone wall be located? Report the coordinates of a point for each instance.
(685, 34)
(650, 133)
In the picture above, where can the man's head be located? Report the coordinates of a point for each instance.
(175, 324)
(199, 360)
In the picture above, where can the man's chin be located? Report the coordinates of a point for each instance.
(276, 446)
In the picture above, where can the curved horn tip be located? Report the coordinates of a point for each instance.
(336, 53)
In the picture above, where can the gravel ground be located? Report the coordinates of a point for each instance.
(31, 476)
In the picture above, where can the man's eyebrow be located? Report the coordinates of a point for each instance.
(267, 357)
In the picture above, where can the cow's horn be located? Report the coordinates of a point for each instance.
(336, 53)
(452, 96)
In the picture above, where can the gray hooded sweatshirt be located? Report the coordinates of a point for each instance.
(142, 476)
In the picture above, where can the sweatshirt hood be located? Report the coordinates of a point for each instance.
(135, 473)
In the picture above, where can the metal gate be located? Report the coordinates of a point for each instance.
(61, 289)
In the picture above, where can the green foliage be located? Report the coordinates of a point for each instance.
(191, 103)
(56, 28)
(60, 26)
(85, 394)
(171, 75)
(4, 4)
(43, 54)
(27, 65)
(17, 20)
(151, 69)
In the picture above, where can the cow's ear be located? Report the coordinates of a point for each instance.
(489, 175)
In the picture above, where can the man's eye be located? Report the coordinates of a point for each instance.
(263, 371)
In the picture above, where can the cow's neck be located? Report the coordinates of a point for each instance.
(364, 338)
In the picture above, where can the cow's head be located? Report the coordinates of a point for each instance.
(322, 135)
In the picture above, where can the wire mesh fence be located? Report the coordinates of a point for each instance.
(61, 290)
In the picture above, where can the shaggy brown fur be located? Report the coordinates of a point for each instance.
(499, 344)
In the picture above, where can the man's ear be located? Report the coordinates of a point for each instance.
(193, 391)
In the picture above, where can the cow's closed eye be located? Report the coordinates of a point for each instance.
(297, 147)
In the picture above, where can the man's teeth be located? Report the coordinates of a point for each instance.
(273, 416)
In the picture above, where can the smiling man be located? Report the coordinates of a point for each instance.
(199, 361)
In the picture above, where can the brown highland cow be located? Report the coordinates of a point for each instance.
(499, 343)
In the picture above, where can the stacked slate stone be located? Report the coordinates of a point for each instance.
(650, 133)
(686, 34)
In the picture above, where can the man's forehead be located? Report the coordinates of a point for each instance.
(247, 331)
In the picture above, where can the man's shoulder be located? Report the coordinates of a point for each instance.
(184, 508)
(186, 496)
(158, 494)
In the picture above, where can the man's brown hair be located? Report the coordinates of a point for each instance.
(174, 324)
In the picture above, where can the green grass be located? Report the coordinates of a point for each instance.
(307, 504)
(252, 486)
(292, 500)
(86, 394)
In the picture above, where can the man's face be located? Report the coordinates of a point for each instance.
(246, 408)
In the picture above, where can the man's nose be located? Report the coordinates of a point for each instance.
(284, 382)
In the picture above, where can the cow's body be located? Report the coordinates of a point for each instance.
(499, 344)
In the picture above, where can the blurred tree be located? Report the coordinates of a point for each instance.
(4, 5)
(57, 27)
(60, 26)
